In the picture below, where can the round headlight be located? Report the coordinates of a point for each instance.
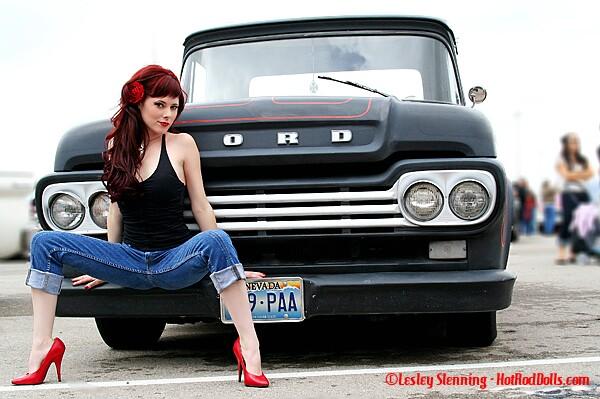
(99, 209)
(66, 211)
(469, 200)
(423, 201)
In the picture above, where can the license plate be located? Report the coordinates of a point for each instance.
(274, 300)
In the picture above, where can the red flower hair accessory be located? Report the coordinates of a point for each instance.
(135, 92)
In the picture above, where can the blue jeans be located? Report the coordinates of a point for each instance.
(549, 218)
(210, 251)
(528, 226)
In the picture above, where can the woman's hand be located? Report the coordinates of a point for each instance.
(90, 281)
(250, 274)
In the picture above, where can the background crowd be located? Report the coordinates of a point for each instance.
(565, 206)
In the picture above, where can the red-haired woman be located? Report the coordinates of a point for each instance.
(147, 170)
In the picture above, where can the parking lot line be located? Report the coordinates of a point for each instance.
(300, 374)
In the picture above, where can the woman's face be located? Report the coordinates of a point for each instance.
(158, 113)
(572, 144)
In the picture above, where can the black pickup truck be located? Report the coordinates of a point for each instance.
(340, 156)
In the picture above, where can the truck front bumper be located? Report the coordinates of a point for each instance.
(324, 295)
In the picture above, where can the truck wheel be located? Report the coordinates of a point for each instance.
(130, 333)
(471, 329)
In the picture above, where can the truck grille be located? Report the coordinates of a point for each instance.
(293, 211)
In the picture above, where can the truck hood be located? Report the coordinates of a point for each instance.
(383, 130)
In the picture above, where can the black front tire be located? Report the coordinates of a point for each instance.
(471, 329)
(130, 333)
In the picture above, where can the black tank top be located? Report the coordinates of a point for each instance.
(154, 219)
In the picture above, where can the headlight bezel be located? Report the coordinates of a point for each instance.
(446, 180)
(84, 191)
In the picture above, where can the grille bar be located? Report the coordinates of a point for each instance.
(310, 224)
(305, 211)
(302, 197)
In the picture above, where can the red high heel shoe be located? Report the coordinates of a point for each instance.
(54, 355)
(250, 380)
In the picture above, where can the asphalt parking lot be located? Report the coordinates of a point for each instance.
(552, 329)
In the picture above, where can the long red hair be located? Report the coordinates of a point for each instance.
(123, 158)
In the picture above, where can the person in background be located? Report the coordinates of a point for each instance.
(574, 170)
(529, 205)
(548, 201)
(520, 188)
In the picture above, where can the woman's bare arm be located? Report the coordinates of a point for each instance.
(114, 223)
(574, 176)
(586, 174)
(201, 208)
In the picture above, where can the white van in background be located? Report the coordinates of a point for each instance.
(16, 219)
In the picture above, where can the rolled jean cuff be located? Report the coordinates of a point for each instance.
(48, 282)
(224, 278)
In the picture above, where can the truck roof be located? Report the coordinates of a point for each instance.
(320, 24)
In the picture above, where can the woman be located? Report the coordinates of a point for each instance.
(146, 172)
(574, 170)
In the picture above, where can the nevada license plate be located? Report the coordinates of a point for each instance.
(277, 299)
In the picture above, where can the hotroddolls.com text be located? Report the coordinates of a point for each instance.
(483, 381)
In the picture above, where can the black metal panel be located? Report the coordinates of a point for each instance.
(321, 26)
(391, 130)
(337, 294)
(114, 301)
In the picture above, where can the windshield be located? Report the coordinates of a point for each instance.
(407, 67)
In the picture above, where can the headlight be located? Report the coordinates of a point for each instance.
(66, 211)
(423, 201)
(99, 205)
(469, 200)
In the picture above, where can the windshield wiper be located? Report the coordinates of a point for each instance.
(349, 83)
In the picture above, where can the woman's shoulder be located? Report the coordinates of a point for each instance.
(181, 137)
(560, 161)
(184, 141)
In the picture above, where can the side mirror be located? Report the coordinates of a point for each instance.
(477, 95)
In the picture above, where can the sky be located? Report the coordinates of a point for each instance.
(62, 64)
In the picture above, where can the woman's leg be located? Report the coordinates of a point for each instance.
(549, 216)
(212, 251)
(235, 298)
(523, 227)
(232, 288)
(44, 309)
(533, 222)
(564, 236)
(49, 250)
(570, 202)
(552, 219)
